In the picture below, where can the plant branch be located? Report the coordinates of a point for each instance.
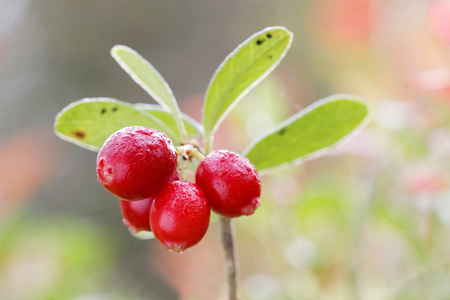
(189, 150)
(208, 142)
(231, 263)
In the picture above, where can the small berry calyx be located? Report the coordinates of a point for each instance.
(135, 214)
(136, 162)
(179, 216)
(230, 182)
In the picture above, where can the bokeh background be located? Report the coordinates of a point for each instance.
(370, 220)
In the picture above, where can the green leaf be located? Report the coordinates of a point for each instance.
(192, 127)
(89, 122)
(242, 70)
(309, 133)
(144, 74)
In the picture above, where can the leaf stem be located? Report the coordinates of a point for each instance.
(180, 125)
(231, 263)
(207, 142)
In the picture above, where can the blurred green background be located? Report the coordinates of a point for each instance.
(370, 220)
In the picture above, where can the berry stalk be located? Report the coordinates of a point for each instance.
(232, 186)
(189, 150)
(231, 262)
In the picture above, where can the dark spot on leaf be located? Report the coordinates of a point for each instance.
(103, 111)
(79, 134)
(114, 108)
(259, 42)
(282, 131)
(268, 35)
(270, 56)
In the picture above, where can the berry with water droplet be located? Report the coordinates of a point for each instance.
(136, 162)
(179, 216)
(230, 182)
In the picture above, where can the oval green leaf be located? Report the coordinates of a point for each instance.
(193, 129)
(309, 133)
(241, 70)
(89, 122)
(145, 75)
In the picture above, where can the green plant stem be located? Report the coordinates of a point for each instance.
(231, 263)
(197, 154)
(208, 143)
(183, 169)
(180, 125)
(231, 266)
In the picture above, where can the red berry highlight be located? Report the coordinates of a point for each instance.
(230, 182)
(136, 214)
(180, 215)
(136, 162)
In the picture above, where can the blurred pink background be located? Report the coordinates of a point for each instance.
(370, 220)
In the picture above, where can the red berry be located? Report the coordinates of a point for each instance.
(136, 162)
(136, 214)
(180, 215)
(230, 182)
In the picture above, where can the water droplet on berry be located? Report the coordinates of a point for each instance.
(175, 251)
(175, 247)
(130, 226)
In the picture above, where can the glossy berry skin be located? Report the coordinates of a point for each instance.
(180, 215)
(135, 214)
(136, 162)
(230, 182)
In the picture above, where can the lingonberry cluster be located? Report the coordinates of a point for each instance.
(140, 166)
